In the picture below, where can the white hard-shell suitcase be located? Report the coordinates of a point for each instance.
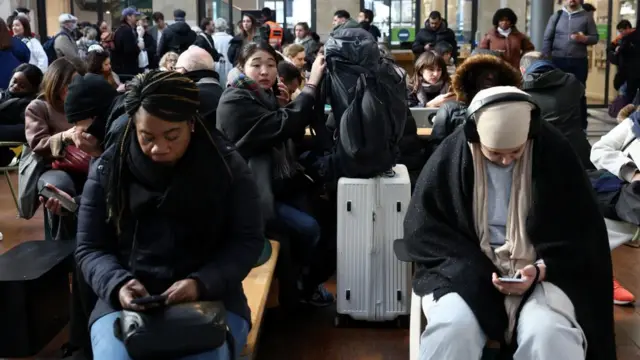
(372, 284)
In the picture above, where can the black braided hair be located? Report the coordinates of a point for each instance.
(167, 95)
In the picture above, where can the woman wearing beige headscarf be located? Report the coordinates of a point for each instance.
(508, 241)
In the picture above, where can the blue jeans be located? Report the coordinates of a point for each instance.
(303, 225)
(107, 347)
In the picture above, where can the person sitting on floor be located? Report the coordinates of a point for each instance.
(506, 196)
(181, 202)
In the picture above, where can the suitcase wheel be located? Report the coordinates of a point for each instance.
(341, 321)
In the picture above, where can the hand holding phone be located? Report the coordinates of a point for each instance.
(53, 199)
(517, 279)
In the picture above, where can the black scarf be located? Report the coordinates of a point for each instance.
(564, 225)
(183, 190)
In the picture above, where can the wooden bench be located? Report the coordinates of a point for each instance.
(256, 287)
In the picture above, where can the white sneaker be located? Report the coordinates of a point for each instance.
(1, 237)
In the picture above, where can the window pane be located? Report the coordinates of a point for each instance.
(459, 19)
(299, 11)
(597, 57)
(626, 11)
(53, 10)
(403, 21)
(219, 9)
(381, 11)
(431, 5)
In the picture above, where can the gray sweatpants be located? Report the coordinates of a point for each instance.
(453, 333)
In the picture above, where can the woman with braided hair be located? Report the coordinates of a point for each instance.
(169, 209)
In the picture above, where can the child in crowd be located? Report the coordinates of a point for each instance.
(445, 50)
(430, 83)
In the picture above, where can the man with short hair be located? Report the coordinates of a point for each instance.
(435, 31)
(178, 36)
(205, 39)
(156, 30)
(366, 16)
(508, 241)
(342, 19)
(558, 94)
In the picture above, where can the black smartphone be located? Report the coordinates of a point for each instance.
(150, 300)
(67, 204)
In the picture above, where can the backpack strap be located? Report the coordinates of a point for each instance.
(553, 29)
(206, 39)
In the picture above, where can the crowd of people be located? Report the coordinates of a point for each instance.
(185, 149)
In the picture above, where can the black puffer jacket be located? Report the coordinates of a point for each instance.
(427, 35)
(177, 37)
(208, 227)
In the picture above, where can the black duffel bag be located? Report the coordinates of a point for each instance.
(174, 331)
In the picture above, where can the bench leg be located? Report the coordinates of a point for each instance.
(13, 192)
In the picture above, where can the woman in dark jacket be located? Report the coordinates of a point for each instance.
(13, 52)
(23, 88)
(255, 112)
(170, 209)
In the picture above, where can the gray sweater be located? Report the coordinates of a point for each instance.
(569, 23)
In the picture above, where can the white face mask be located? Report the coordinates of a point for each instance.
(72, 26)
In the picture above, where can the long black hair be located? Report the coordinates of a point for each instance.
(167, 95)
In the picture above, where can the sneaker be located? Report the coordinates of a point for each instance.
(320, 297)
(621, 296)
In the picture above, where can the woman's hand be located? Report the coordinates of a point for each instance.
(317, 70)
(182, 291)
(53, 205)
(122, 88)
(86, 142)
(132, 289)
(67, 135)
(440, 99)
(284, 97)
(528, 274)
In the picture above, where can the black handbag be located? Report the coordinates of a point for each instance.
(174, 331)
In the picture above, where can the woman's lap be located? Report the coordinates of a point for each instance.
(107, 347)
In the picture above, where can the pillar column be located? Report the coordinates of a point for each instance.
(541, 11)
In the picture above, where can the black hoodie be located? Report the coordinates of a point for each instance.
(177, 37)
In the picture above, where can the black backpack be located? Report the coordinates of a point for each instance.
(49, 46)
(368, 101)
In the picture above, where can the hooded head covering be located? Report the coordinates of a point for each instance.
(503, 125)
(480, 72)
(90, 96)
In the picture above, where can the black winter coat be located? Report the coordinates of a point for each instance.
(208, 227)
